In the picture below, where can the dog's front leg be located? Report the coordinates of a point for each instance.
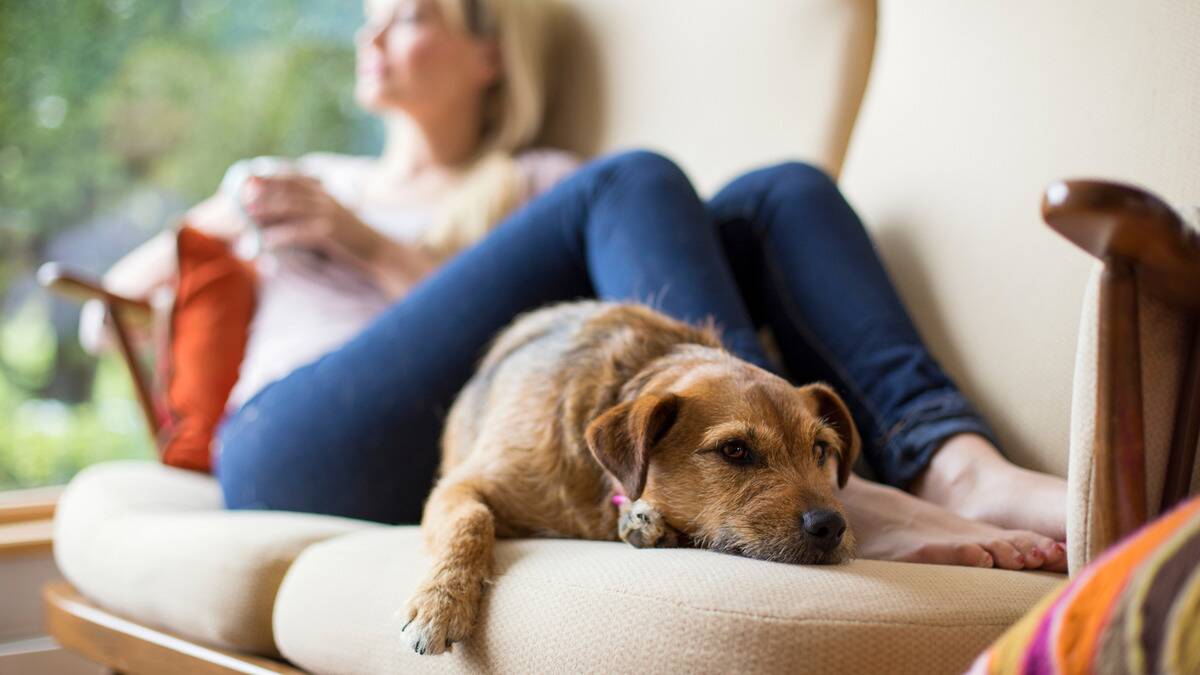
(459, 531)
(642, 526)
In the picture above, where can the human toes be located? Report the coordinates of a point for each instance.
(1049, 555)
(1006, 554)
(1031, 547)
(1056, 558)
(944, 553)
(1040, 551)
(1023, 549)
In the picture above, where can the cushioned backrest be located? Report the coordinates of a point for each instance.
(719, 86)
(972, 109)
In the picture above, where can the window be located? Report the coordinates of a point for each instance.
(115, 116)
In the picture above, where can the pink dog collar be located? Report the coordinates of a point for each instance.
(618, 497)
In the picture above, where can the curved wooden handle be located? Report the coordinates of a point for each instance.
(78, 286)
(1113, 220)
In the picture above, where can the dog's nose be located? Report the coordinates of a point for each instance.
(825, 528)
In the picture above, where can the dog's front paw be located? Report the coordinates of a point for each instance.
(439, 616)
(642, 526)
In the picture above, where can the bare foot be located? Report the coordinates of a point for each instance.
(969, 477)
(891, 524)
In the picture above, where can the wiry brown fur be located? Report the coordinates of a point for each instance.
(652, 397)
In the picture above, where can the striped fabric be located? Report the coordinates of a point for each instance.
(1134, 610)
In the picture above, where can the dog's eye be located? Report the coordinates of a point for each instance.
(822, 451)
(736, 452)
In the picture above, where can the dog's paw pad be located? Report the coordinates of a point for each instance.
(426, 639)
(438, 619)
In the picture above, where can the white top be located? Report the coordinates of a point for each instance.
(308, 305)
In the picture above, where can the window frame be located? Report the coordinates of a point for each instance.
(27, 519)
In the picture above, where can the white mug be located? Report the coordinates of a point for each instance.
(235, 179)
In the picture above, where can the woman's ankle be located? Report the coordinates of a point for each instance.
(970, 477)
(954, 471)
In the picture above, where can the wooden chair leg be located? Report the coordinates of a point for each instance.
(1120, 445)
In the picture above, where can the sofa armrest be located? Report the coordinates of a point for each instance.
(76, 285)
(1113, 221)
(1149, 256)
(120, 311)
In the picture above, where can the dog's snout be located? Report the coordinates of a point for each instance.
(825, 528)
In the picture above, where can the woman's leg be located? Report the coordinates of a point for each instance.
(807, 267)
(356, 432)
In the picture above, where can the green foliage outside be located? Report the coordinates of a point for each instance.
(46, 441)
(107, 106)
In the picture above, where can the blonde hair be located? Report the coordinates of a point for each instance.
(512, 118)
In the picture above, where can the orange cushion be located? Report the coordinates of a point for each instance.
(209, 325)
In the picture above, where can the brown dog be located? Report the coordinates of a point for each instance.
(581, 401)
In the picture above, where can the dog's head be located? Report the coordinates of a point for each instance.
(737, 459)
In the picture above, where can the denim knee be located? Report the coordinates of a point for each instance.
(646, 166)
(758, 196)
(796, 174)
(798, 180)
(644, 178)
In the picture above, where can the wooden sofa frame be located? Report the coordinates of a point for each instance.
(1141, 241)
(1144, 246)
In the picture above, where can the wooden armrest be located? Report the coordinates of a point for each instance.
(1145, 246)
(78, 286)
(121, 309)
(1115, 221)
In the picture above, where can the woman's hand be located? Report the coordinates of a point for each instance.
(297, 211)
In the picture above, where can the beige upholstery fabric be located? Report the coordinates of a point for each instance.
(719, 86)
(559, 606)
(1081, 521)
(150, 542)
(972, 109)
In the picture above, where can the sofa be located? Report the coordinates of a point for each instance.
(944, 122)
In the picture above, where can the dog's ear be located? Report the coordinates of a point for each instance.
(624, 437)
(833, 410)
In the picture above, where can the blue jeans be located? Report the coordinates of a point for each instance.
(356, 432)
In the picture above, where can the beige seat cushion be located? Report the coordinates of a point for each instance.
(568, 606)
(151, 542)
